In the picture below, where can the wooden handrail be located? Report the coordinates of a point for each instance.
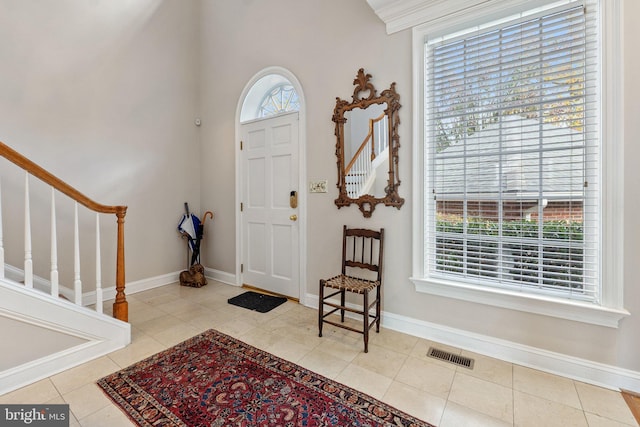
(364, 144)
(120, 306)
(355, 156)
(35, 170)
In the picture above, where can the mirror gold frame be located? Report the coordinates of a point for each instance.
(364, 97)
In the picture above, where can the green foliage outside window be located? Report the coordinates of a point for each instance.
(554, 259)
(559, 230)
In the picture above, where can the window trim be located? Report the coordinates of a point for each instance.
(611, 309)
(270, 95)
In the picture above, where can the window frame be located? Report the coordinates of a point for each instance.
(610, 310)
(274, 92)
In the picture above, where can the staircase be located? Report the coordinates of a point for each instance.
(52, 324)
(360, 173)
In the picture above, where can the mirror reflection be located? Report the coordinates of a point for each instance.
(367, 147)
(366, 150)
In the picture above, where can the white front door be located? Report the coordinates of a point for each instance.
(270, 232)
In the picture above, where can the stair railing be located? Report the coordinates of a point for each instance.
(359, 168)
(120, 306)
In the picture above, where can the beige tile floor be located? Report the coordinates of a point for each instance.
(396, 369)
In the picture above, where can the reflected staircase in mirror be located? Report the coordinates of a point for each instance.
(360, 173)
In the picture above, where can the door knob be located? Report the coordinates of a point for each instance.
(293, 217)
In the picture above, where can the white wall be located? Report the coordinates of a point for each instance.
(628, 339)
(324, 44)
(104, 95)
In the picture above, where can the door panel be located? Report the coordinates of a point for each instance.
(256, 195)
(270, 237)
(256, 261)
(282, 241)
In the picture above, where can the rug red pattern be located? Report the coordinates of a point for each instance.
(215, 380)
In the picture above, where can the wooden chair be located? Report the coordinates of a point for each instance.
(361, 273)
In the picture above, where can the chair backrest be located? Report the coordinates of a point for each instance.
(362, 248)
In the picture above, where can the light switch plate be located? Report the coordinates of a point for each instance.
(318, 186)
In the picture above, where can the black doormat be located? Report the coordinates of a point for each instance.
(257, 301)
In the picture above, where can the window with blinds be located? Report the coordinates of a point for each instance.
(512, 159)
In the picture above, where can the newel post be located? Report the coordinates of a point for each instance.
(120, 306)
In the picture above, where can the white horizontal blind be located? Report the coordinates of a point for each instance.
(512, 155)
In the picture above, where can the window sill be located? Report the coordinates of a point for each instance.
(546, 306)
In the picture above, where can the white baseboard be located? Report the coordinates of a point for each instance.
(89, 298)
(133, 287)
(568, 366)
(583, 370)
(40, 283)
(221, 276)
(31, 372)
(156, 282)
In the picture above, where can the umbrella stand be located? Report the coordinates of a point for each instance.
(186, 237)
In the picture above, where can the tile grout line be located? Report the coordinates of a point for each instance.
(584, 413)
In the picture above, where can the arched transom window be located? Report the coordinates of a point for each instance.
(271, 95)
(281, 98)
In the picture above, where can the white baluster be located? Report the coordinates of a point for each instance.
(360, 170)
(1, 243)
(98, 267)
(54, 247)
(367, 164)
(77, 284)
(28, 262)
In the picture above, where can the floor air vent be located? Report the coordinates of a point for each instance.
(465, 362)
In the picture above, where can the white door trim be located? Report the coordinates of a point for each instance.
(302, 186)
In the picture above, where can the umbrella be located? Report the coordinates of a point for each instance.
(199, 233)
(190, 227)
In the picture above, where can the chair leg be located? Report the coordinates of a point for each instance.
(378, 309)
(320, 307)
(365, 321)
(342, 301)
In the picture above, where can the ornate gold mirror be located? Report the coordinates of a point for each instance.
(367, 147)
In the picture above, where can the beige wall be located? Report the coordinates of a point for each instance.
(30, 342)
(104, 94)
(332, 40)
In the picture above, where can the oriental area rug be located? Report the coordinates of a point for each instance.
(215, 380)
